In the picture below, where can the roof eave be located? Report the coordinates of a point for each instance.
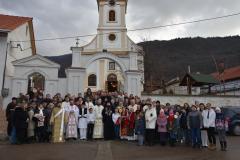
(5, 30)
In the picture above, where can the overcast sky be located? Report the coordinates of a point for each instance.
(60, 18)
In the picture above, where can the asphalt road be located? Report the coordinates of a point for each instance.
(114, 150)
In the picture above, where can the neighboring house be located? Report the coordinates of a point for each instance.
(13, 29)
(230, 82)
(203, 81)
(173, 87)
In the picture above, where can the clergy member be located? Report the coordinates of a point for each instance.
(108, 123)
(58, 121)
(72, 112)
(98, 126)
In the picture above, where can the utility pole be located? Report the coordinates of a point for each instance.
(219, 74)
(189, 85)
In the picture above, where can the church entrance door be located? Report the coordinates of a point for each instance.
(112, 83)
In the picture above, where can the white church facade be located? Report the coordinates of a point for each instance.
(110, 62)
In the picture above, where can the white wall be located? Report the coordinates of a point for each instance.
(62, 86)
(216, 101)
(21, 33)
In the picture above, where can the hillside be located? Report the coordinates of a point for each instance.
(165, 60)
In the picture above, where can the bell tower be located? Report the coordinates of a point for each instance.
(112, 25)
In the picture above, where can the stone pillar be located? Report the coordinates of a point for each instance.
(133, 61)
(75, 80)
(133, 84)
(76, 57)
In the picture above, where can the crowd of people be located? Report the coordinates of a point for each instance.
(113, 116)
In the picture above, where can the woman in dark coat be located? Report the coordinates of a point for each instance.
(20, 118)
(108, 122)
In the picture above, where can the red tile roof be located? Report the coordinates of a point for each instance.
(228, 74)
(8, 22)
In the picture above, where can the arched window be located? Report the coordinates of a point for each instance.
(92, 80)
(36, 81)
(112, 15)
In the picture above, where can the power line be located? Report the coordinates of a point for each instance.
(138, 29)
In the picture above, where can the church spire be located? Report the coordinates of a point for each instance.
(111, 2)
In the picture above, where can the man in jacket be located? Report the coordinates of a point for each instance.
(9, 115)
(150, 118)
(194, 121)
(209, 117)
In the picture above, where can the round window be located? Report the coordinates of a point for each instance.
(112, 2)
(112, 37)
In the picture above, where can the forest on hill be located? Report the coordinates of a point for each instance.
(165, 60)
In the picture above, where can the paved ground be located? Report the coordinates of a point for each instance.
(100, 150)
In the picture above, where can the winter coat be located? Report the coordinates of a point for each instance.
(220, 122)
(162, 124)
(194, 120)
(20, 118)
(183, 121)
(151, 118)
(209, 119)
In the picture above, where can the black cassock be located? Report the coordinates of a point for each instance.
(20, 123)
(108, 124)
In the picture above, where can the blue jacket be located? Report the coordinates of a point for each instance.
(140, 126)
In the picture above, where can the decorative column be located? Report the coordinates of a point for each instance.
(76, 56)
(133, 56)
(133, 84)
(76, 74)
(75, 80)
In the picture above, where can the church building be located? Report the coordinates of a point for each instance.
(110, 62)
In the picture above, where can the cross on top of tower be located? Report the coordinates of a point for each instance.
(77, 43)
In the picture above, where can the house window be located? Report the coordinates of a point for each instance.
(27, 30)
(111, 65)
(112, 16)
(92, 80)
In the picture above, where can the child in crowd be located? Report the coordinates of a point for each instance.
(39, 118)
(172, 128)
(140, 128)
(90, 119)
(162, 127)
(116, 121)
(221, 128)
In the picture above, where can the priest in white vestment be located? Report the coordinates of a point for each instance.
(72, 113)
(98, 125)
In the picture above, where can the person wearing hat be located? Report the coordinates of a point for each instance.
(162, 127)
(221, 128)
(172, 127)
